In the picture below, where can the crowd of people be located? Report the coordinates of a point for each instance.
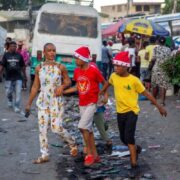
(127, 72)
(146, 56)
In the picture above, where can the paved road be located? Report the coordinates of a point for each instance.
(19, 143)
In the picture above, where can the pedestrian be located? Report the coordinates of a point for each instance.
(127, 87)
(132, 55)
(144, 64)
(25, 55)
(6, 47)
(150, 48)
(87, 77)
(51, 79)
(14, 67)
(99, 121)
(159, 79)
(110, 44)
(106, 57)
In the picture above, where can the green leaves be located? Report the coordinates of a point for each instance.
(19, 4)
(169, 6)
(172, 68)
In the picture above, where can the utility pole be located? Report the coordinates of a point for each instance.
(128, 6)
(174, 6)
(30, 17)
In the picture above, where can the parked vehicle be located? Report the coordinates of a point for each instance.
(3, 34)
(68, 27)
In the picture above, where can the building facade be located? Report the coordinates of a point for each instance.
(131, 7)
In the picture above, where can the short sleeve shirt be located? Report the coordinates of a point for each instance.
(126, 90)
(13, 64)
(88, 84)
(144, 62)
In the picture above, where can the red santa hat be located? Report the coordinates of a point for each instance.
(122, 59)
(83, 53)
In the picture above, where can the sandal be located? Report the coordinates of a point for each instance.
(74, 151)
(41, 160)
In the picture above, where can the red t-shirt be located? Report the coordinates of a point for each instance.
(88, 84)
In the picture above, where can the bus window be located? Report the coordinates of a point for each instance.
(68, 25)
(176, 27)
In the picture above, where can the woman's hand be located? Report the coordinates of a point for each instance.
(27, 108)
(58, 91)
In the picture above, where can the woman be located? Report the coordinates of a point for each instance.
(48, 79)
(159, 79)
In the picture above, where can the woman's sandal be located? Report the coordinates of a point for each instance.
(41, 160)
(74, 151)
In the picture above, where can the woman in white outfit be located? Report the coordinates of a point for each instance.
(51, 78)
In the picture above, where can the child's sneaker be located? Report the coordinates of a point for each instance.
(89, 160)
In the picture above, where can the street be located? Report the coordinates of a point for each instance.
(19, 144)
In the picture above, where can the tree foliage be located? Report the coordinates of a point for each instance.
(172, 68)
(169, 6)
(19, 4)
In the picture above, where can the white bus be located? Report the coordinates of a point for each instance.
(68, 27)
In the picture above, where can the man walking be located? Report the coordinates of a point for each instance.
(13, 64)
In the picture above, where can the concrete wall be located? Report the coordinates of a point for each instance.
(116, 11)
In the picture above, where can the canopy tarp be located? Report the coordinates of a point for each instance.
(112, 29)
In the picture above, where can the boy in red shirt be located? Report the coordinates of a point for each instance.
(87, 79)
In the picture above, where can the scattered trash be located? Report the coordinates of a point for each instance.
(120, 148)
(178, 101)
(33, 130)
(2, 130)
(148, 176)
(154, 146)
(120, 154)
(69, 170)
(174, 151)
(57, 145)
(22, 120)
(4, 119)
(30, 172)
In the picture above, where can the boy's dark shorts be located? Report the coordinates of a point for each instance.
(127, 126)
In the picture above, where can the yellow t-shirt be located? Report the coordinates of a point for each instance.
(150, 49)
(126, 90)
(144, 62)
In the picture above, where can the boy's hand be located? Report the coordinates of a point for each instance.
(101, 93)
(105, 99)
(162, 111)
(58, 91)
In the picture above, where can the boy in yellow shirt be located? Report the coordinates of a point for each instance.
(126, 89)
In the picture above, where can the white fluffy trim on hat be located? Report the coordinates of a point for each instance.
(81, 57)
(121, 63)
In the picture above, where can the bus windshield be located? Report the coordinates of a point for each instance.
(68, 25)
